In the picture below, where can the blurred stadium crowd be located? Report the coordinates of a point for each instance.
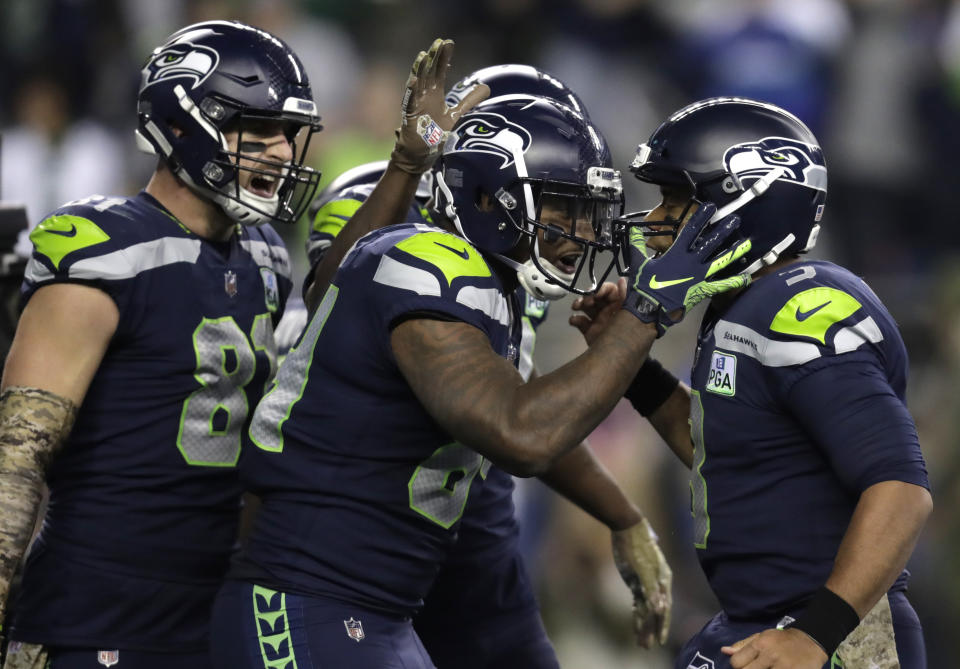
(878, 81)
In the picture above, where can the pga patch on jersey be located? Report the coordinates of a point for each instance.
(354, 629)
(271, 293)
(722, 377)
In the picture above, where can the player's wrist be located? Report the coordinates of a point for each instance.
(651, 387)
(828, 619)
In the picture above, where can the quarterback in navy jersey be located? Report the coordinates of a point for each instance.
(809, 488)
(145, 341)
(387, 413)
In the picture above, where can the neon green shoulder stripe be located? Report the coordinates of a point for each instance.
(332, 216)
(812, 312)
(57, 236)
(452, 255)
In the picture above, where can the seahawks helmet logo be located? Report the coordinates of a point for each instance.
(802, 163)
(485, 132)
(182, 60)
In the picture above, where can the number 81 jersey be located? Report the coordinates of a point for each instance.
(144, 495)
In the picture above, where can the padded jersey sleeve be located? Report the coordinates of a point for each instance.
(850, 410)
(79, 244)
(838, 359)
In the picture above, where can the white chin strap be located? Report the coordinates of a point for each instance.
(537, 283)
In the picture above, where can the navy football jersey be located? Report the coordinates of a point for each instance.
(797, 407)
(144, 495)
(362, 492)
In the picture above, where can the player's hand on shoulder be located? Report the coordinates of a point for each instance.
(776, 649)
(596, 310)
(662, 289)
(425, 118)
(644, 569)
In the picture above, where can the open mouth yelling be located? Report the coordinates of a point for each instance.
(567, 263)
(263, 185)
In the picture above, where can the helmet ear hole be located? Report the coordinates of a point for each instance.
(729, 185)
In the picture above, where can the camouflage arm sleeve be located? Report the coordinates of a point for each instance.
(33, 425)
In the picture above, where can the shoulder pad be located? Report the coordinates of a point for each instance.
(61, 234)
(452, 255)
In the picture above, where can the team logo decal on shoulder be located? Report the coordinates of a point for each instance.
(700, 662)
(182, 60)
(271, 293)
(486, 132)
(722, 377)
(230, 283)
(108, 658)
(800, 163)
(354, 629)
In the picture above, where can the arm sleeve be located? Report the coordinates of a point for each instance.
(851, 412)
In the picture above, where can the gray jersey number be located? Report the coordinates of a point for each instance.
(213, 415)
(440, 485)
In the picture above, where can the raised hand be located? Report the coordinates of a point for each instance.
(425, 118)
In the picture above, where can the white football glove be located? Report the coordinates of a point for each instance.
(643, 568)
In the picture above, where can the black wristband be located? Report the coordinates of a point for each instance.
(651, 387)
(828, 619)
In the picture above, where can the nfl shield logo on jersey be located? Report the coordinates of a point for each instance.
(108, 658)
(230, 283)
(700, 662)
(271, 294)
(354, 629)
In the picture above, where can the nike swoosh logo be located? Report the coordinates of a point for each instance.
(655, 285)
(804, 315)
(463, 253)
(72, 232)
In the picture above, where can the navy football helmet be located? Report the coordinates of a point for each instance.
(516, 80)
(523, 153)
(217, 76)
(748, 157)
(367, 174)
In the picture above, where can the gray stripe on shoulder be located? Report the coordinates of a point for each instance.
(394, 273)
(488, 300)
(853, 337)
(124, 263)
(771, 353)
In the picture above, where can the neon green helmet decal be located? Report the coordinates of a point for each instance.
(452, 255)
(58, 236)
(812, 312)
(335, 214)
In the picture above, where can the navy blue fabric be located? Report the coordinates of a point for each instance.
(311, 632)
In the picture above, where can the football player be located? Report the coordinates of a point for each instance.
(403, 390)
(146, 339)
(495, 621)
(809, 486)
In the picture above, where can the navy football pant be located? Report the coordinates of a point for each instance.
(255, 627)
(703, 650)
(485, 617)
